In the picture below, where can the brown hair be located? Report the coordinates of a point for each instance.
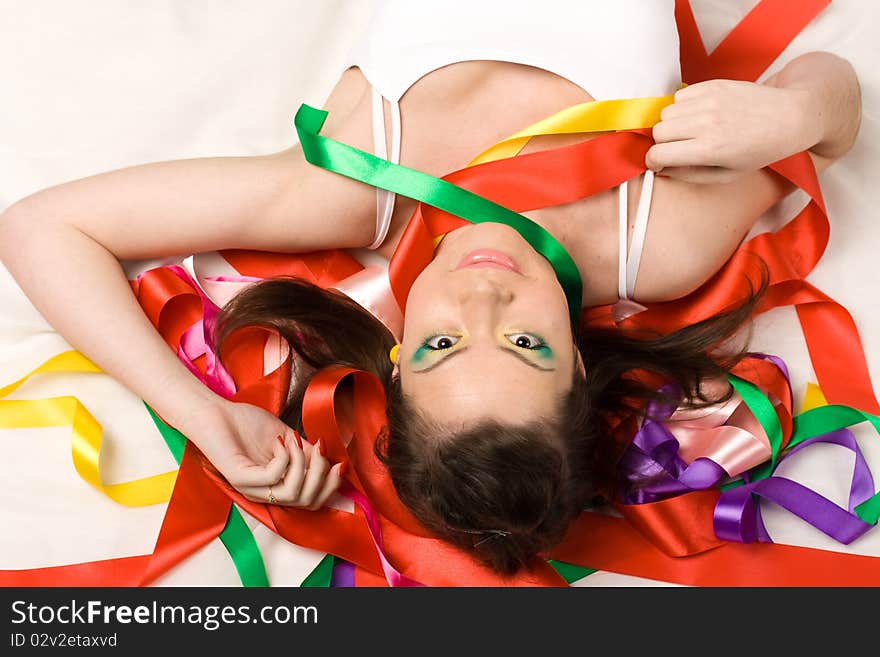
(505, 493)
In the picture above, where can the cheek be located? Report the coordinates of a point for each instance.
(429, 295)
(424, 308)
(551, 301)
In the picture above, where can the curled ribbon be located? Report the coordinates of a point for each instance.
(191, 351)
(87, 433)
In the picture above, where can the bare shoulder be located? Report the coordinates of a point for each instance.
(339, 211)
(694, 229)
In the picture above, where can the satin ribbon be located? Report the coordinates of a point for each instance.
(748, 49)
(234, 533)
(693, 452)
(86, 432)
(655, 453)
(171, 283)
(364, 167)
(323, 574)
(432, 244)
(371, 289)
(590, 117)
(695, 449)
(802, 552)
(737, 516)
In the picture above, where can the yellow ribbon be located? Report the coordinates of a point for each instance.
(87, 433)
(591, 117)
(813, 398)
(594, 116)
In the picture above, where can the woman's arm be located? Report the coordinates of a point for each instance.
(711, 146)
(720, 129)
(63, 246)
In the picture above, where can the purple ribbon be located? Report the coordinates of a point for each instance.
(738, 515)
(655, 471)
(343, 574)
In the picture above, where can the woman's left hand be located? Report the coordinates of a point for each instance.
(718, 130)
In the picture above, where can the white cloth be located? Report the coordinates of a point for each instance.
(617, 49)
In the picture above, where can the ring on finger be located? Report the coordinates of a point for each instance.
(272, 499)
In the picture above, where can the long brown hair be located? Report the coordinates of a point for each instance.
(504, 492)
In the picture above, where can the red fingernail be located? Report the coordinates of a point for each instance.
(280, 439)
(343, 468)
(299, 441)
(320, 446)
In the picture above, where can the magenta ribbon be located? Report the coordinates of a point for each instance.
(393, 576)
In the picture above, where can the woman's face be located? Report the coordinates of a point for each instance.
(487, 332)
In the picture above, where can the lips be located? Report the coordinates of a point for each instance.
(488, 259)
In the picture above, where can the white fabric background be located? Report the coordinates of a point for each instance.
(89, 86)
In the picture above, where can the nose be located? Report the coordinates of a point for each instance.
(485, 289)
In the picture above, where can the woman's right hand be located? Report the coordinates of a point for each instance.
(718, 130)
(262, 457)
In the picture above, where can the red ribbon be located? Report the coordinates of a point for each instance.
(680, 526)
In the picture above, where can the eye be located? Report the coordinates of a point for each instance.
(526, 340)
(439, 342)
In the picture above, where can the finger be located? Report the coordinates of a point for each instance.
(679, 109)
(687, 152)
(701, 175)
(254, 474)
(676, 129)
(258, 493)
(288, 489)
(318, 466)
(703, 89)
(691, 91)
(331, 485)
(280, 458)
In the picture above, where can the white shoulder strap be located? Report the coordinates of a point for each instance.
(639, 231)
(622, 219)
(628, 264)
(384, 198)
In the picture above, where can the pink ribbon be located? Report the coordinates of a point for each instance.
(371, 288)
(728, 434)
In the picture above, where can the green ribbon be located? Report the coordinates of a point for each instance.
(810, 424)
(823, 419)
(322, 575)
(763, 410)
(569, 571)
(236, 535)
(367, 168)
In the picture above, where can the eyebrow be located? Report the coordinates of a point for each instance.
(521, 357)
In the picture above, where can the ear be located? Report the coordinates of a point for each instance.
(579, 362)
(395, 359)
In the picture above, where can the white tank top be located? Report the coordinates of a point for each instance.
(610, 48)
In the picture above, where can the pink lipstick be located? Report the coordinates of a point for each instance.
(489, 258)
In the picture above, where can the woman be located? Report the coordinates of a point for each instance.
(523, 439)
